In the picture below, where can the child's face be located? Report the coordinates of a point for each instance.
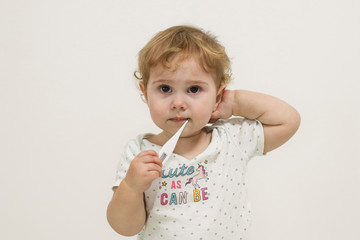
(186, 93)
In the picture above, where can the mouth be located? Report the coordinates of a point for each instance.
(178, 119)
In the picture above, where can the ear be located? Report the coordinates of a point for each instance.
(143, 90)
(219, 95)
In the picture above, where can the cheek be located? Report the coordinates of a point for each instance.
(157, 108)
(204, 108)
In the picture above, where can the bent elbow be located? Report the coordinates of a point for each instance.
(295, 121)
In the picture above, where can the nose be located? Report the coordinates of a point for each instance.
(178, 102)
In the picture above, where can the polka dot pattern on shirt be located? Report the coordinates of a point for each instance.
(204, 198)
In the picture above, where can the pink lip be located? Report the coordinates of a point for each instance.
(178, 119)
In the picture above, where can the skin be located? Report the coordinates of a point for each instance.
(174, 96)
(188, 92)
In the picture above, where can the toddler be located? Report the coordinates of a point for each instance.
(200, 192)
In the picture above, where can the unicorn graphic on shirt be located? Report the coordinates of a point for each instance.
(201, 175)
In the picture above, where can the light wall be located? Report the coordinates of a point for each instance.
(68, 104)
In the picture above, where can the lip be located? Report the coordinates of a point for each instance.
(178, 119)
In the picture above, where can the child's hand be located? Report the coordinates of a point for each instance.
(224, 109)
(145, 168)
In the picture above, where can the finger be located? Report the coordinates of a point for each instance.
(212, 120)
(146, 159)
(154, 167)
(147, 152)
(145, 155)
(158, 161)
(215, 114)
(154, 175)
(153, 159)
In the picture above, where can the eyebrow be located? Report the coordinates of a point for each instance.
(194, 82)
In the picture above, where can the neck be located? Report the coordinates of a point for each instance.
(190, 146)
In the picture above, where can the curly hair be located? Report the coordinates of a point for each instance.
(189, 42)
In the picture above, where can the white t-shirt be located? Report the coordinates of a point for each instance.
(206, 197)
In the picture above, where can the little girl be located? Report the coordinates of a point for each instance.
(200, 192)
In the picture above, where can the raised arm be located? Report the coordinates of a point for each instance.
(279, 119)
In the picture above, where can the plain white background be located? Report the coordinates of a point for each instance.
(68, 104)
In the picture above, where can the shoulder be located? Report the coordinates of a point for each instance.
(246, 134)
(133, 146)
(238, 124)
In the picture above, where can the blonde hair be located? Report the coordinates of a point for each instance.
(189, 42)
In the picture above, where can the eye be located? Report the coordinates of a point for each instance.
(194, 89)
(165, 89)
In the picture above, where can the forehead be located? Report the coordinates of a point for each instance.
(189, 68)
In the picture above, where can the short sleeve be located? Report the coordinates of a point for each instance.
(246, 134)
(130, 151)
